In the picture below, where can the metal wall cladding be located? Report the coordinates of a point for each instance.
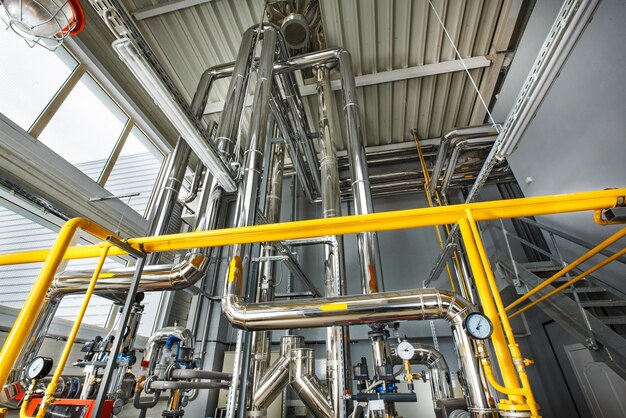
(382, 35)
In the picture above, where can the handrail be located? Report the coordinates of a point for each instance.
(374, 222)
(569, 237)
(466, 215)
(609, 241)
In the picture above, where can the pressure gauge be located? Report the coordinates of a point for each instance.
(405, 350)
(478, 326)
(39, 368)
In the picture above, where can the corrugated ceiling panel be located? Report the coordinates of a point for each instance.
(382, 35)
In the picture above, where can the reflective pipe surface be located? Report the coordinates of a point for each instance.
(261, 340)
(276, 377)
(420, 304)
(367, 242)
(280, 114)
(458, 146)
(440, 382)
(337, 346)
(469, 132)
(306, 385)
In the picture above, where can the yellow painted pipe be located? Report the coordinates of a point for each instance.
(594, 251)
(52, 386)
(500, 346)
(26, 318)
(382, 221)
(572, 281)
(508, 331)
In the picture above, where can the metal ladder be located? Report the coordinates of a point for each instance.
(590, 310)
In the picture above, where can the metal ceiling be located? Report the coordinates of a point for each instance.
(191, 35)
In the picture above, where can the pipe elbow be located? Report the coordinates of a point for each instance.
(234, 310)
(189, 271)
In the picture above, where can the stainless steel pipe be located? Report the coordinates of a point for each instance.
(277, 376)
(420, 304)
(440, 382)
(469, 132)
(169, 385)
(338, 364)
(306, 385)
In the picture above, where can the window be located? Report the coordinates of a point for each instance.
(87, 125)
(136, 170)
(29, 77)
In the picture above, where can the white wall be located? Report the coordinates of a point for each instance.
(576, 141)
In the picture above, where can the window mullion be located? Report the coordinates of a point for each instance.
(53, 106)
(108, 167)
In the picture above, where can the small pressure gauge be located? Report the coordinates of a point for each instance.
(39, 368)
(405, 350)
(478, 326)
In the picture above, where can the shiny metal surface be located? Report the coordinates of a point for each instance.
(367, 242)
(276, 377)
(261, 340)
(469, 132)
(306, 385)
(439, 377)
(338, 363)
(420, 304)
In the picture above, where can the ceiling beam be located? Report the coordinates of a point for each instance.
(166, 7)
(385, 77)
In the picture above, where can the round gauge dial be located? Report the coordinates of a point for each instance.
(39, 368)
(478, 326)
(405, 350)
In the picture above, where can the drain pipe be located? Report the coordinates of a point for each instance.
(306, 385)
(276, 377)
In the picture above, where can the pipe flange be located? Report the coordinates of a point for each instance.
(170, 369)
(147, 386)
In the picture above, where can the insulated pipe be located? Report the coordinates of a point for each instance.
(367, 242)
(466, 133)
(265, 292)
(459, 145)
(294, 101)
(420, 304)
(338, 362)
(160, 337)
(306, 385)
(168, 385)
(440, 382)
(280, 114)
(277, 376)
(199, 374)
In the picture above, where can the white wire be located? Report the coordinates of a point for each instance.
(482, 100)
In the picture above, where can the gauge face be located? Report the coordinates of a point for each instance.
(39, 368)
(405, 350)
(478, 326)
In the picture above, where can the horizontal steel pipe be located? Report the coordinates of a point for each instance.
(387, 397)
(381, 221)
(199, 374)
(168, 385)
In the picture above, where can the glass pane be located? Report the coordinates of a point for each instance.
(29, 77)
(136, 170)
(86, 126)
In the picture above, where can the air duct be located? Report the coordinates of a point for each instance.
(306, 385)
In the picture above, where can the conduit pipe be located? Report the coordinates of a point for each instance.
(306, 385)
(420, 304)
(277, 376)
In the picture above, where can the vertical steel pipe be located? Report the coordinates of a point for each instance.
(338, 362)
(367, 242)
